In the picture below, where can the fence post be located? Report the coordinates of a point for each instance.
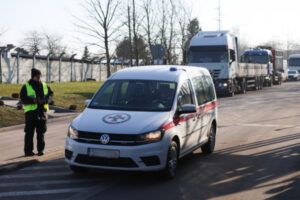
(72, 57)
(33, 58)
(59, 67)
(1, 50)
(48, 71)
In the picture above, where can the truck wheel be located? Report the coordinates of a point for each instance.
(209, 147)
(77, 169)
(172, 161)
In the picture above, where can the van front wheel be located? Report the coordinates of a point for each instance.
(172, 160)
(209, 147)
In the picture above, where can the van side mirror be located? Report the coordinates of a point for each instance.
(187, 108)
(87, 102)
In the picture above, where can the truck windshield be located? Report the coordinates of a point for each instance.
(260, 59)
(135, 95)
(208, 54)
(294, 62)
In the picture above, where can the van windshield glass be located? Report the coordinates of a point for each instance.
(292, 72)
(208, 54)
(260, 59)
(294, 62)
(135, 95)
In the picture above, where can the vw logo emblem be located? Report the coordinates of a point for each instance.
(104, 139)
(116, 118)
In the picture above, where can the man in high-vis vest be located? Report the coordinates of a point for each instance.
(35, 96)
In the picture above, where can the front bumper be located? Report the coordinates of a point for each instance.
(223, 86)
(148, 157)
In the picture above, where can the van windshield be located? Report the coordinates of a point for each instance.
(208, 54)
(294, 62)
(135, 95)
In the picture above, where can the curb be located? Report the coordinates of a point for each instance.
(15, 166)
(73, 115)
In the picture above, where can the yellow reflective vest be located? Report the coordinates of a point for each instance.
(31, 93)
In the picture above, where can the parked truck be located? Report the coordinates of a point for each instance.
(273, 58)
(294, 62)
(218, 52)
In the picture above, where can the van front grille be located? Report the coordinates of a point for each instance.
(115, 139)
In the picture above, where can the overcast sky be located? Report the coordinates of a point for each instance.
(258, 20)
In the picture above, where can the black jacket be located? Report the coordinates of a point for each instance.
(40, 113)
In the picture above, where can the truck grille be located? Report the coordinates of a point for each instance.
(215, 73)
(115, 139)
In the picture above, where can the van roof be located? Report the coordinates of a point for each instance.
(159, 72)
(295, 56)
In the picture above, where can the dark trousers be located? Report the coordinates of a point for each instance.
(41, 127)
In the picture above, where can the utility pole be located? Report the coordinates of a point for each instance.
(219, 15)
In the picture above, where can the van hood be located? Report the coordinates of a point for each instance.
(119, 122)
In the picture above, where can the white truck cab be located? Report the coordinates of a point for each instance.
(217, 52)
(294, 62)
(145, 119)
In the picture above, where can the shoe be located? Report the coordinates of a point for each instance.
(40, 153)
(29, 154)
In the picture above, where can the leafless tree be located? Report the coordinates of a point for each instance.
(183, 18)
(33, 41)
(148, 24)
(2, 32)
(100, 24)
(53, 44)
(129, 34)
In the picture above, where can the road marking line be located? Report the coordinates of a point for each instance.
(45, 167)
(34, 175)
(39, 192)
(262, 125)
(45, 182)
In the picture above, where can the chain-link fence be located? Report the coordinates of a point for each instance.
(16, 68)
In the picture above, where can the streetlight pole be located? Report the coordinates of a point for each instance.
(59, 72)
(72, 57)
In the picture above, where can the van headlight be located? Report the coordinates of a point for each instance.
(153, 136)
(72, 133)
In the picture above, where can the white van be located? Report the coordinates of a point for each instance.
(145, 119)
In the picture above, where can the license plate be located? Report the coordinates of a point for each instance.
(104, 153)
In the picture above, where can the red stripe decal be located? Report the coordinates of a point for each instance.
(200, 110)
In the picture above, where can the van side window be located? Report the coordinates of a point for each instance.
(208, 88)
(199, 90)
(184, 96)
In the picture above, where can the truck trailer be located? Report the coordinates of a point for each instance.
(267, 55)
(218, 52)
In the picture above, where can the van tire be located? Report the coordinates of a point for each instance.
(209, 147)
(172, 161)
(77, 169)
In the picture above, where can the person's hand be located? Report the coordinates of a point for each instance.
(41, 101)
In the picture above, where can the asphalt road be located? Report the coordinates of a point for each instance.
(257, 157)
